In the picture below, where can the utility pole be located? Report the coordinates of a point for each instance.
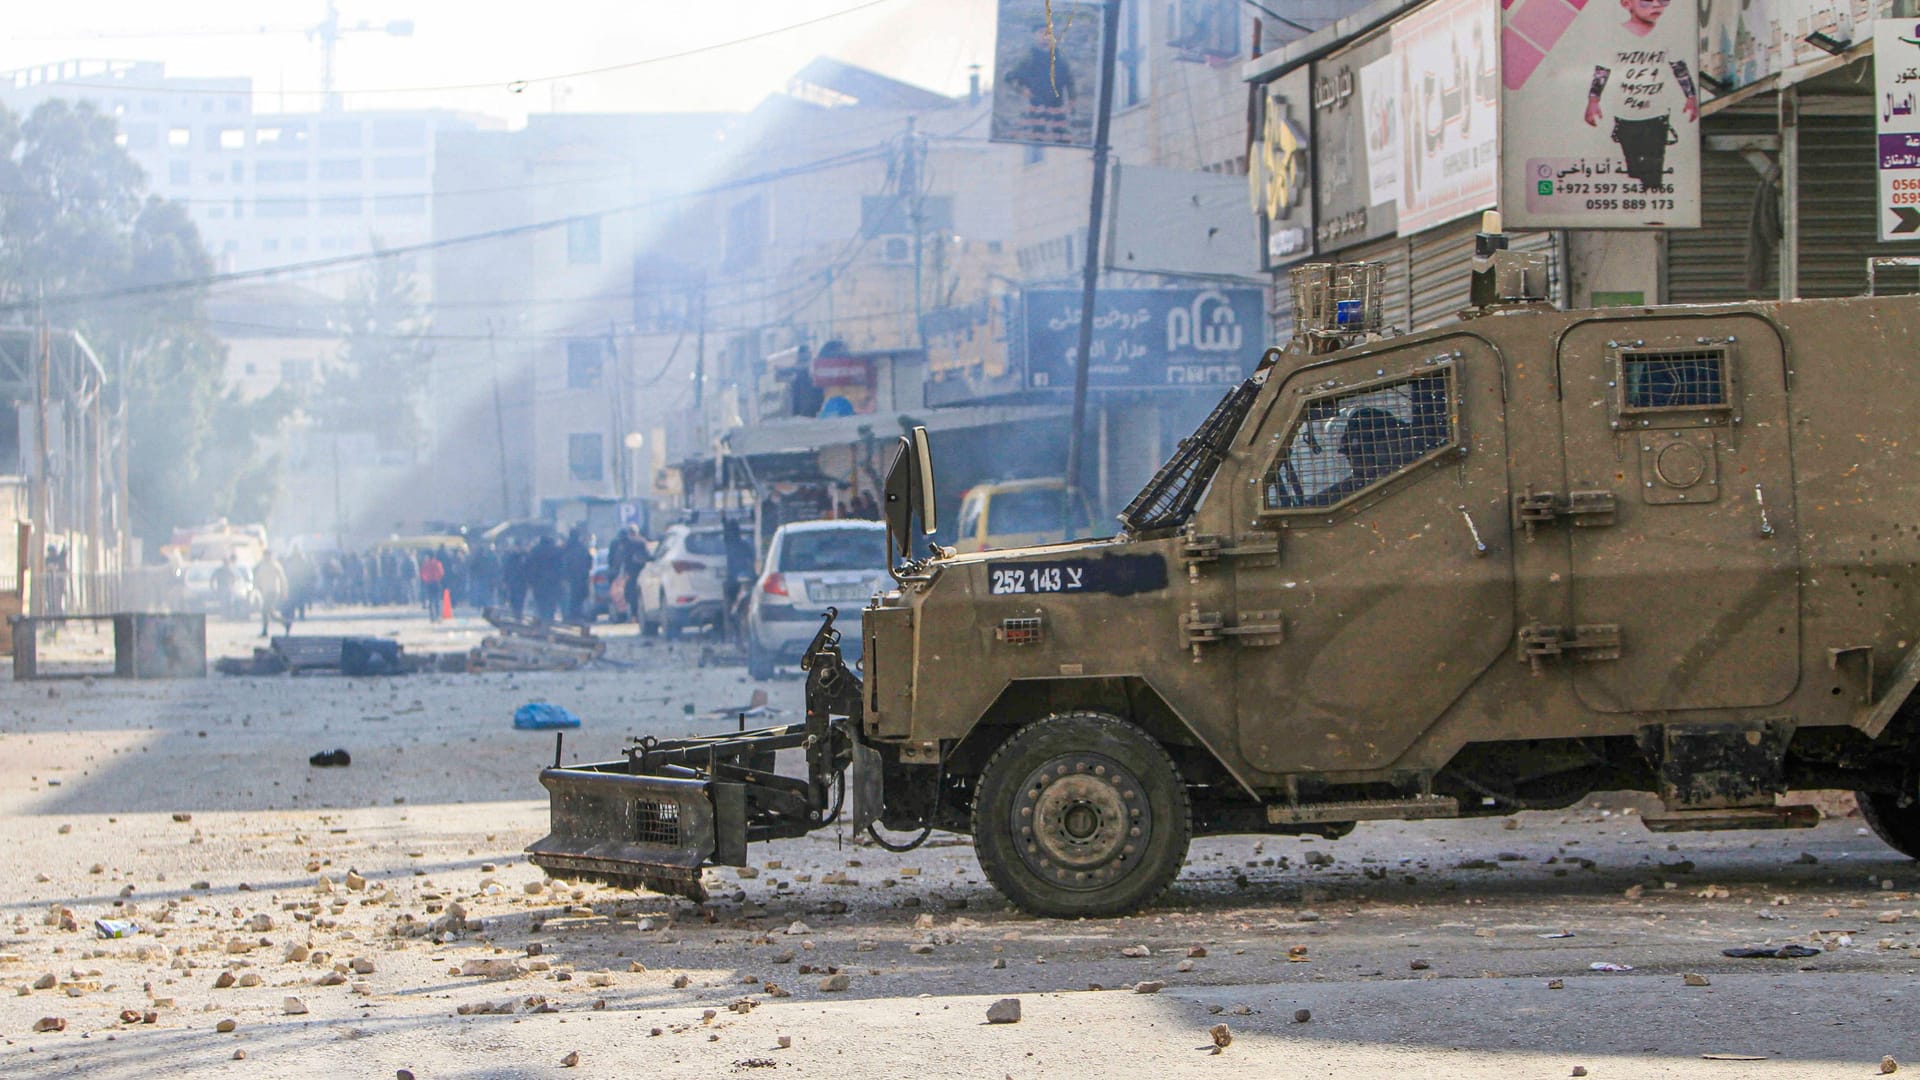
(616, 415)
(499, 424)
(700, 365)
(123, 521)
(42, 492)
(1090, 272)
(910, 186)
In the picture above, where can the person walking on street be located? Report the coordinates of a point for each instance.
(433, 574)
(576, 569)
(545, 579)
(270, 581)
(513, 571)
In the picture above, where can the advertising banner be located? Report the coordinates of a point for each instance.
(1282, 170)
(1354, 137)
(1145, 339)
(1450, 105)
(1600, 114)
(1744, 41)
(1046, 72)
(1896, 65)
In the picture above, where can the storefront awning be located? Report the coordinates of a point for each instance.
(807, 434)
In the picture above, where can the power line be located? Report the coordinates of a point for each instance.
(332, 262)
(512, 85)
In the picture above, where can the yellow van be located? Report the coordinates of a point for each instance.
(1017, 513)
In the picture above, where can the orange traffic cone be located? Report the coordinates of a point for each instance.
(446, 603)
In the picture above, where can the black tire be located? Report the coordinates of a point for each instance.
(759, 661)
(669, 626)
(1120, 821)
(1898, 825)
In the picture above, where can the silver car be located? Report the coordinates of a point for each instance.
(811, 566)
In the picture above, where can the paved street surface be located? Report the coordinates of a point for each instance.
(342, 905)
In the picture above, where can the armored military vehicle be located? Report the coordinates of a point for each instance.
(1484, 568)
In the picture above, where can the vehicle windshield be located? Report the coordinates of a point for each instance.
(833, 549)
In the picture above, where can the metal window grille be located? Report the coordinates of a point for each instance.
(1169, 498)
(1337, 299)
(1023, 631)
(1346, 442)
(656, 822)
(1673, 379)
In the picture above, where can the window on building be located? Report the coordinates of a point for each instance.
(584, 457)
(399, 205)
(217, 176)
(399, 133)
(340, 135)
(179, 138)
(238, 170)
(271, 243)
(1131, 58)
(235, 104)
(281, 208)
(233, 138)
(342, 206)
(583, 241)
(299, 243)
(296, 372)
(239, 207)
(285, 136)
(179, 173)
(1204, 30)
(585, 361)
(400, 168)
(340, 169)
(280, 172)
(141, 136)
(746, 234)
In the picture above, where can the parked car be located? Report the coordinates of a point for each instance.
(811, 565)
(685, 583)
(1016, 514)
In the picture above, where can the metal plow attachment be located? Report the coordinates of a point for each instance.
(672, 806)
(643, 831)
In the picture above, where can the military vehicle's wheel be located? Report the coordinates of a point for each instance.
(1898, 825)
(1081, 814)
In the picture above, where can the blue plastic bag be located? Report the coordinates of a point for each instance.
(540, 716)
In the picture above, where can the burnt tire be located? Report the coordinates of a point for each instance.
(1898, 825)
(1081, 814)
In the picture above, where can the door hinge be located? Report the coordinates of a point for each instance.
(1586, 509)
(1198, 548)
(1255, 628)
(1539, 643)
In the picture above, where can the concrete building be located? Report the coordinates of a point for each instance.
(565, 341)
(264, 188)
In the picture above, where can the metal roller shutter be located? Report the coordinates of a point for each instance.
(1839, 188)
(1440, 264)
(1708, 265)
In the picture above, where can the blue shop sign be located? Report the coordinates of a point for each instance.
(1145, 339)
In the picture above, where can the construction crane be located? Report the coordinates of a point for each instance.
(327, 32)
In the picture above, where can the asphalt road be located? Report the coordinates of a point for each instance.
(1439, 949)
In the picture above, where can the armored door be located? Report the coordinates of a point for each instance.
(1678, 516)
(1382, 490)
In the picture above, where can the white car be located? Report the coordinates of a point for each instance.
(811, 566)
(684, 584)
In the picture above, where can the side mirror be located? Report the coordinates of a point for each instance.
(909, 490)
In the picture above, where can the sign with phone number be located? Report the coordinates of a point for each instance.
(1116, 575)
